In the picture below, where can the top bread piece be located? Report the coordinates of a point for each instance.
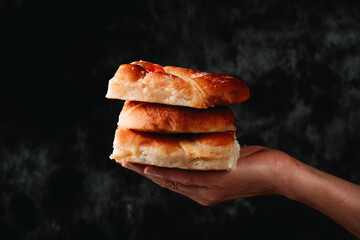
(147, 82)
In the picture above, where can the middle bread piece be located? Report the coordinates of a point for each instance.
(166, 119)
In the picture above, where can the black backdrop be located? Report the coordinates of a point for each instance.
(300, 59)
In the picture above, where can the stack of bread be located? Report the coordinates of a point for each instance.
(175, 117)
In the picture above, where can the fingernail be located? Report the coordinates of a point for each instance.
(150, 172)
(129, 166)
(122, 163)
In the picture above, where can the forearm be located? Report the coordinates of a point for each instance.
(334, 197)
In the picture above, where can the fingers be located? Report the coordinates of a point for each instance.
(174, 175)
(174, 186)
(170, 178)
(185, 177)
(184, 189)
(187, 183)
(198, 194)
(138, 168)
(179, 176)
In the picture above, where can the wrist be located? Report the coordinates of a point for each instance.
(296, 182)
(284, 171)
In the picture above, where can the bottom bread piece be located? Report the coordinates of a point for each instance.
(207, 151)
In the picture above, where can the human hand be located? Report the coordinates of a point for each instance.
(259, 171)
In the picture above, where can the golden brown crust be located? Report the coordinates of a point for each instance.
(175, 86)
(160, 118)
(130, 72)
(213, 151)
(133, 137)
(219, 89)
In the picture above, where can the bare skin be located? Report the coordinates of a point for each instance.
(262, 171)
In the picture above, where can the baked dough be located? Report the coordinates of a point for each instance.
(160, 118)
(212, 151)
(147, 82)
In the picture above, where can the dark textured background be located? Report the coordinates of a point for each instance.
(301, 61)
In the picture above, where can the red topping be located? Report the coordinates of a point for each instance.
(155, 68)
